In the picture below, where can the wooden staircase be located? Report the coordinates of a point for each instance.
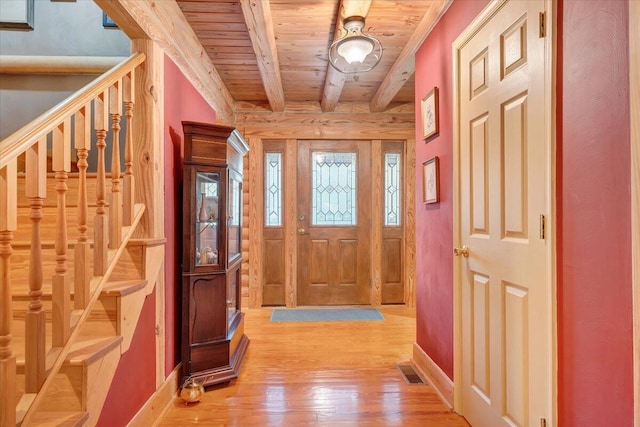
(71, 289)
(82, 384)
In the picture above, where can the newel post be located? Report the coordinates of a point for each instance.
(148, 135)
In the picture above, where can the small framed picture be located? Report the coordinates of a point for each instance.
(431, 181)
(16, 15)
(429, 111)
(108, 22)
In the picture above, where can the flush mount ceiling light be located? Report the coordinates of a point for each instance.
(355, 52)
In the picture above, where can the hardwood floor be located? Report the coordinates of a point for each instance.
(321, 374)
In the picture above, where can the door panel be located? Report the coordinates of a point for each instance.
(333, 222)
(273, 292)
(392, 227)
(392, 288)
(506, 301)
(273, 230)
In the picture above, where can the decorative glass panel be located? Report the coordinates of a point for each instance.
(206, 241)
(392, 207)
(273, 189)
(333, 188)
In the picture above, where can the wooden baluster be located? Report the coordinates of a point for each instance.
(8, 224)
(129, 180)
(35, 319)
(101, 118)
(61, 293)
(115, 205)
(82, 140)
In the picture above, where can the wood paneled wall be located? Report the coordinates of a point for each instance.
(307, 121)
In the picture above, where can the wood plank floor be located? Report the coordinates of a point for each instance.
(321, 374)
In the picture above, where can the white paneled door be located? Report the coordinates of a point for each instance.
(504, 205)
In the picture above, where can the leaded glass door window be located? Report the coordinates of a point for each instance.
(334, 192)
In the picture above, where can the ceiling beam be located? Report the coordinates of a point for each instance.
(334, 82)
(404, 67)
(257, 16)
(164, 23)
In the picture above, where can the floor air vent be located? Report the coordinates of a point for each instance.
(410, 375)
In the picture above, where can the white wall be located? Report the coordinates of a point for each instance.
(65, 28)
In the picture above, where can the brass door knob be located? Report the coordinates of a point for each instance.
(302, 231)
(464, 251)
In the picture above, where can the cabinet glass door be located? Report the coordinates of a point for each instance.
(235, 214)
(207, 219)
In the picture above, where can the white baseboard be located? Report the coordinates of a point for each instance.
(152, 411)
(436, 376)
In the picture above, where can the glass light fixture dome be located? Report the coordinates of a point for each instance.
(355, 52)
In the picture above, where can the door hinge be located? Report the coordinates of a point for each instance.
(543, 24)
(542, 221)
(543, 422)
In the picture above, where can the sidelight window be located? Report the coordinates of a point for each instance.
(273, 189)
(392, 206)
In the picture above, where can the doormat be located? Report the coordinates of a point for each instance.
(325, 314)
(410, 375)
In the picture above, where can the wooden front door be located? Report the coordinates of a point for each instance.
(504, 253)
(333, 222)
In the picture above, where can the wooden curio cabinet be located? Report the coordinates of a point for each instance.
(213, 339)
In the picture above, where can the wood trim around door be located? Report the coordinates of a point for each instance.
(254, 183)
(634, 113)
(410, 222)
(550, 100)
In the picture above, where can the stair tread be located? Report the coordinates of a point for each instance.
(84, 351)
(60, 419)
(88, 349)
(123, 287)
(120, 287)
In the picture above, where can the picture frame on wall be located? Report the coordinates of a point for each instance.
(429, 113)
(431, 181)
(16, 15)
(107, 22)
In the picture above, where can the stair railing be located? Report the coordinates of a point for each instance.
(105, 96)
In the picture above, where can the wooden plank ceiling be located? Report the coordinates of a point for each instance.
(274, 52)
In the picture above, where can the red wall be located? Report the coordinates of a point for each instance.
(594, 265)
(434, 223)
(595, 364)
(182, 102)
